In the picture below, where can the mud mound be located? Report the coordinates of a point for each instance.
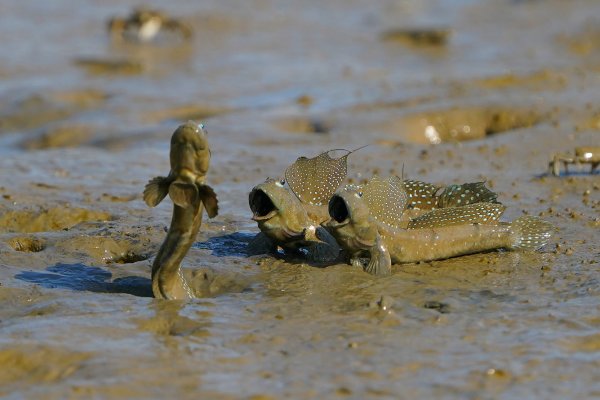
(308, 125)
(461, 124)
(108, 66)
(53, 219)
(27, 244)
(418, 37)
(195, 112)
(38, 364)
(545, 79)
(60, 136)
(105, 249)
(39, 109)
(583, 43)
(168, 322)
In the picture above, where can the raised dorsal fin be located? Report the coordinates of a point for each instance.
(467, 193)
(315, 180)
(420, 195)
(478, 213)
(386, 199)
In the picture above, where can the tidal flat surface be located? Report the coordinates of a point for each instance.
(445, 91)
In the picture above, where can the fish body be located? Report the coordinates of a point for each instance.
(357, 226)
(185, 185)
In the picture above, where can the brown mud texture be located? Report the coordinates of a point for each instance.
(445, 91)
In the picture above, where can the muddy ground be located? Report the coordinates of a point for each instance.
(448, 91)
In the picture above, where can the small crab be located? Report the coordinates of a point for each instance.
(144, 25)
(583, 155)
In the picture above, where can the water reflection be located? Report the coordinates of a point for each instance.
(87, 278)
(230, 245)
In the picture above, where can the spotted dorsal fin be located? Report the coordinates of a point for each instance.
(421, 195)
(386, 199)
(478, 213)
(315, 180)
(467, 193)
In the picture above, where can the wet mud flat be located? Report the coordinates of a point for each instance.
(471, 100)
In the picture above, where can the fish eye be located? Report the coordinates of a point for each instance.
(360, 194)
(282, 182)
(201, 128)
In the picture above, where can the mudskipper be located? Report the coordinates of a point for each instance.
(291, 216)
(190, 158)
(367, 221)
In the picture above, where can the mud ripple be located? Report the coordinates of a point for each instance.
(587, 344)
(53, 219)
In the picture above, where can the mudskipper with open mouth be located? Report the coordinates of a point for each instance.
(291, 216)
(367, 221)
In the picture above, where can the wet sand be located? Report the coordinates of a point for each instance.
(490, 93)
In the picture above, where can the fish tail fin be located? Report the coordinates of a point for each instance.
(156, 190)
(530, 233)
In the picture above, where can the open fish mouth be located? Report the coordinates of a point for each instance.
(338, 211)
(261, 205)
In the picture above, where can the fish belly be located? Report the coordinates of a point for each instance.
(429, 244)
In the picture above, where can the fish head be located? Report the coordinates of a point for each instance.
(190, 152)
(351, 222)
(277, 210)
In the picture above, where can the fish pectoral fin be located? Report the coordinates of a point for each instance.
(260, 244)
(155, 191)
(318, 234)
(380, 263)
(183, 194)
(325, 249)
(322, 253)
(209, 199)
